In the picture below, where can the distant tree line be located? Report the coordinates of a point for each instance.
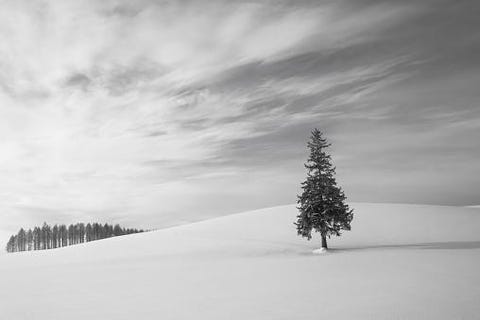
(47, 237)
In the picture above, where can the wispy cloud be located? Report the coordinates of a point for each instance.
(158, 111)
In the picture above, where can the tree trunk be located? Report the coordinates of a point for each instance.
(324, 241)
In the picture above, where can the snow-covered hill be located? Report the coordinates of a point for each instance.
(398, 262)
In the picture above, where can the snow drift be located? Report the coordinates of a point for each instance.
(398, 262)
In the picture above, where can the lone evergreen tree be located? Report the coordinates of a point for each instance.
(322, 203)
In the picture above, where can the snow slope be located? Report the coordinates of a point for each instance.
(398, 262)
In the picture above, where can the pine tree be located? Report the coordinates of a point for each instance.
(22, 239)
(76, 234)
(322, 203)
(55, 234)
(37, 237)
(108, 230)
(29, 239)
(63, 235)
(47, 236)
(11, 244)
(44, 236)
(88, 233)
(81, 232)
(117, 230)
(70, 232)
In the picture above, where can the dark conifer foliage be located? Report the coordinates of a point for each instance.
(47, 237)
(322, 203)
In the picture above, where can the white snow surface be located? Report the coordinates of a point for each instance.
(398, 262)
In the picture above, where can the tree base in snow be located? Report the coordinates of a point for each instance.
(320, 251)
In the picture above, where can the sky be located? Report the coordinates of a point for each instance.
(154, 113)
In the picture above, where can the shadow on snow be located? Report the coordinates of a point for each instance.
(449, 245)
